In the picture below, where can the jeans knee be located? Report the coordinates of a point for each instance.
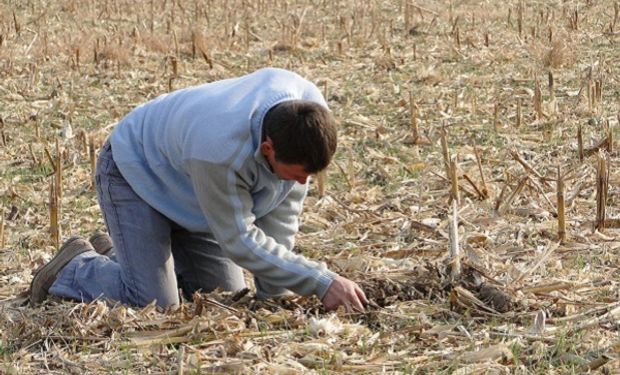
(162, 298)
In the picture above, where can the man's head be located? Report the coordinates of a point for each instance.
(299, 139)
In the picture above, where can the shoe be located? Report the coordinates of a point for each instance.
(46, 275)
(102, 242)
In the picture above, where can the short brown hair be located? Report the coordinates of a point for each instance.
(302, 132)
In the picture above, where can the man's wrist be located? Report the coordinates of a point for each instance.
(322, 288)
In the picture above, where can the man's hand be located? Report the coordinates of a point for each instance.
(345, 292)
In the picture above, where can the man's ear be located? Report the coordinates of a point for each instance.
(267, 146)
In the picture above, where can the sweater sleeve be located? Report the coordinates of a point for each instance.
(281, 224)
(225, 199)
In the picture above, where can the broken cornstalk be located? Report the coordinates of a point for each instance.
(58, 170)
(53, 201)
(610, 139)
(551, 85)
(538, 100)
(485, 190)
(454, 261)
(602, 183)
(454, 179)
(481, 194)
(561, 206)
(517, 190)
(580, 142)
(322, 175)
(528, 168)
(500, 198)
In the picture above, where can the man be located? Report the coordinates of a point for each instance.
(198, 183)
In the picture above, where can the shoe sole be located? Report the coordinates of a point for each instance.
(46, 275)
(101, 242)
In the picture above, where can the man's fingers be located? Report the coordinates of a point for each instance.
(361, 295)
(353, 305)
(357, 304)
(347, 293)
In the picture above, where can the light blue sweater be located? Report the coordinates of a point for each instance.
(194, 156)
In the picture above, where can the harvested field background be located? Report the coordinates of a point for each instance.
(505, 95)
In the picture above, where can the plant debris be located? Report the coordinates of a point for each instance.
(473, 195)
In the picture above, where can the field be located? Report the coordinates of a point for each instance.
(474, 194)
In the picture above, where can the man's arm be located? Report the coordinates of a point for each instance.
(225, 199)
(282, 224)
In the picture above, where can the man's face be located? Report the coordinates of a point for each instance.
(284, 171)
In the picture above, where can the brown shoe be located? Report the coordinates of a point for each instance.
(46, 275)
(102, 242)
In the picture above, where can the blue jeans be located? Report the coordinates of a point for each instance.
(152, 255)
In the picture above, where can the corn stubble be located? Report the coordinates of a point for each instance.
(471, 203)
